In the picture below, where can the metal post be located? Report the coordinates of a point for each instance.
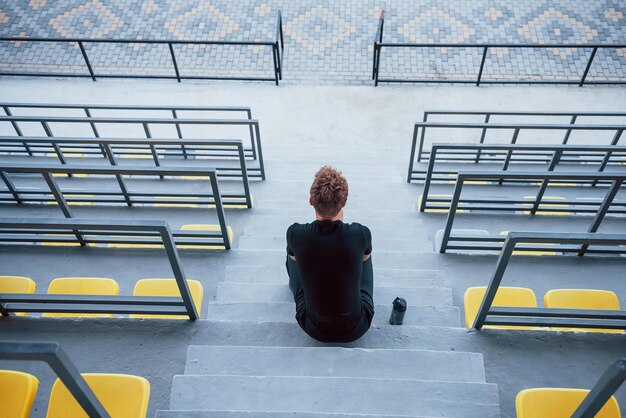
(378, 50)
(601, 213)
(249, 113)
(607, 156)
(174, 61)
(428, 179)
(94, 129)
(49, 133)
(569, 131)
(180, 134)
(275, 57)
(482, 64)
(412, 158)
(220, 211)
(18, 131)
(544, 183)
(84, 52)
(244, 175)
(260, 151)
(155, 156)
(60, 199)
(422, 137)
(593, 54)
(482, 138)
(120, 180)
(494, 283)
(454, 203)
(608, 384)
(4, 312)
(5, 178)
(179, 275)
(507, 160)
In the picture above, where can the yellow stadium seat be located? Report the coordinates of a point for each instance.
(583, 299)
(17, 393)
(17, 284)
(520, 297)
(82, 286)
(205, 227)
(122, 395)
(168, 287)
(558, 403)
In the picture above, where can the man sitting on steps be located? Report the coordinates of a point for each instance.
(330, 266)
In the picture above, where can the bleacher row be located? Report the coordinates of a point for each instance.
(595, 174)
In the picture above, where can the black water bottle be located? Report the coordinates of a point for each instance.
(398, 311)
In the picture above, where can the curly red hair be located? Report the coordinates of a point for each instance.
(329, 191)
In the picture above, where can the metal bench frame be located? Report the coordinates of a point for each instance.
(25, 230)
(63, 367)
(547, 317)
(599, 209)
(255, 150)
(124, 196)
(552, 154)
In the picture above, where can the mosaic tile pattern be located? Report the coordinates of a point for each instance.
(325, 41)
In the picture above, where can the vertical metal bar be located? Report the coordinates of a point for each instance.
(482, 138)
(84, 52)
(179, 274)
(482, 64)
(155, 156)
(428, 179)
(60, 199)
(379, 50)
(174, 61)
(275, 57)
(412, 158)
(259, 150)
(608, 155)
(569, 131)
(76, 384)
(608, 384)
(374, 60)
(49, 133)
(5, 178)
(601, 213)
(120, 180)
(4, 312)
(422, 138)
(249, 113)
(220, 211)
(180, 133)
(18, 131)
(507, 160)
(544, 183)
(94, 129)
(454, 203)
(494, 283)
(593, 54)
(244, 175)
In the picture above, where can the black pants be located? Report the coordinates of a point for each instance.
(367, 314)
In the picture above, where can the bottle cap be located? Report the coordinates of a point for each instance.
(399, 304)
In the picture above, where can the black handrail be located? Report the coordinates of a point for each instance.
(608, 384)
(549, 317)
(277, 46)
(60, 363)
(478, 80)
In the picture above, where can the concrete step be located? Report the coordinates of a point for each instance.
(279, 242)
(445, 316)
(274, 226)
(255, 292)
(335, 395)
(448, 366)
(270, 414)
(263, 273)
(426, 260)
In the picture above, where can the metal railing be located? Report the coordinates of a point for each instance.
(417, 148)
(524, 155)
(608, 384)
(227, 156)
(581, 78)
(547, 317)
(608, 205)
(60, 363)
(54, 194)
(277, 47)
(87, 231)
(16, 121)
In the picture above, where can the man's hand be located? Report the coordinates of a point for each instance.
(293, 257)
(366, 256)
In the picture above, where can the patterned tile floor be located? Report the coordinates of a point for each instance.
(325, 41)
